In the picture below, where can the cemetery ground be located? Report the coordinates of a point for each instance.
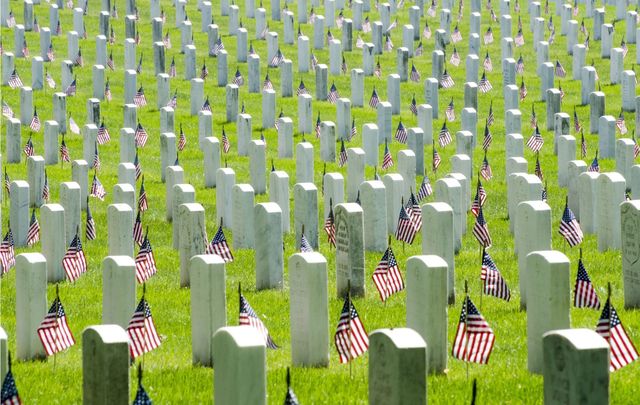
(169, 374)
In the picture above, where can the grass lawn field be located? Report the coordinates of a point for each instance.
(169, 374)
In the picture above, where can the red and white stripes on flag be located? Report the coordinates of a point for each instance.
(74, 262)
(387, 276)
(570, 228)
(622, 351)
(330, 226)
(474, 339)
(219, 246)
(142, 331)
(406, 230)
(481, 230)
(33, 234)
(351, 338)
(249, 317)
(492, 281)
(584, 293)
(145, 262)
(54, 332)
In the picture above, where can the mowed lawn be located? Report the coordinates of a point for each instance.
(170, 376)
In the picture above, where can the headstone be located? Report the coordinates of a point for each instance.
(192, 237)
(211, 151)
(521, 187)
(566, 153)
(611, 189)
(343, 118)
(120, 224)
(30, 304)
(304, 162)
(118, 289)
(596, 110)
(327, 141)
(624, 151)
(258, 166)
(440, 216)
(285, 137)
(607, 136)
(244, 134)
(449, 190)
(268, 246)
(384, 110)
(279, 194)
(174, 175)
(305, 213)
(305, 119)
(181, 194)
(629, 90)
(36, 175)
(349, 249)
(425, 122)
(407, 169)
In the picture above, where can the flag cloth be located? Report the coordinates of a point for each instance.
(492, 282)
(401, 133)
(35, 122)
(414, 211)
(54, 332)
(343, 157)
(7, 252)
(595, 166)
(142, 330)
(226, 146)
(559, 70)
(28, 148)
(103, 134)
(45, 187)
(487, 63)
(488, 138)
(584, 293)
(267, 84)
(90, 229)
(474, 338)
(569, 227)
(143, 204)
(374, 100)
(536, 141)
(450, 111)
(425, 189)
(484, 85)
(622, 351)
(137, 165)
(238, 80)
(219, 246)
(583, 146)
(414, 75)
(9, 392)
(138, 236)
(481, 230)
(74, 262)
(97, 189)
(413, 107)
(446, 81)
(351, 338)
(33, 234)
(538, 168)
(406, 230)
(249, 317)
(436, 159)
(330, 227)
(444, 137)
(139, 98)
(620, 124)
(145, 262)
(142, 398)
(455, 57)
(334, 95)
(305, 246)
(387, 159)
(387, 276)
(141, 136)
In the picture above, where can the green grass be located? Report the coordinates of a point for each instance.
(170, 376)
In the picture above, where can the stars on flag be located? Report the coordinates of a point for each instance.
(446, 81)
(145, 261)
(444, 136)
(54, 331)
(456, 36)
(487, 64)
(35, 121)
(481, 230)
(142, 331)
(219, 246)
(351, 338)
(387, 276)
(139, 99)
(520, 65)
(450, 111)
(14, 80)
(584, 293)
(374, 100)
(97, 189)
(406, 230)
(484, 85)
(33, 233)
(413, 107)
(333, 95)
(226, 145)
(29, 150)
(485, 169)
(140, 136)
(7, 252)
(74, 262)
(622, 352)
(493, 283)
(425, 189)
(90, 228)
(401, 133)
(594, 166)
(238, 80)
(9, 392)
(330, 226)
(455, 57)
(474, 339)
(249, 317)
(536, 141)
(569, 227)
(387, 159)
(620, 124)
(343, 157)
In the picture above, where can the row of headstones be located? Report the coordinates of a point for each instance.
(401, 356)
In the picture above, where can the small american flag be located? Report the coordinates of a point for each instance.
(519, 39)
(455, 57)
(226, 146)
(137, 165)
(486, 142)
(330, 226)
(45, 187)
(74, 262)
(142, 330)
(54, 331)
(474, 338)
(377, 72)
(145, 262)
(167, 41)
(7, 253)
(36, 25)
(317, 129)
(561, 91)
(103, 134)
(354, 129)
(425, 189)
(479, 199)
(484, 85)
(481, 230)
(419, 50)
(446, 81)
(485, 169)
(238, 80)
(406, 231)
(172, 68)
(14, 80)
(523, 91)
(25, 49)
(488, 36)
(595, 166)
(388, 44)
(415, 75)
(305, 246)
(413, 107)
(342, 159)
(143, 204)
(267, 85)
(490, 117)
(11, 20)
(625, 49)
(538, 168)
(583, 28)
(431, 12)
(206, 106)
(314, 61)
(387, 276)
(545, 194)
(414, 211)
(401, 133)
(71, 90)
(552, 36)
(444, 137)
(456, 36)
(35, 121)
(585, 295)
(344, 66)
(492, 281)
(302, 89)
(6, 110)
(436, 159)
(142, 398)
(112, 37)
(426, 32)
(334, 95)
(392, 26)
(204, 71)
(219, 246)
(387, 160)
(583, 146)
(487, 64)
(97, 189)
(174, 100)
(139, 99)
(536, 141)
(33, 234)
(622, 352)
(79, 61)
(249, 317)
(138, 236)
(107, 91)
(141, 136)
(110, 62)
(96, 158)
(277, 59)
(576, 121)
(621, 124)
(450, 111)
(569, 227)
(636, 147)
(90, 228)
(58, 28)
(7, 182)
(534, 119)
(351, 338)
(329, 36)
(28, 148)
(520, 65)
(182, 140)
(9, 393)
(217, 47)
(374, 100)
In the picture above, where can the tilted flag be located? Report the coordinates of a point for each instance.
(387, 276)
(330, 226)
(71, 90)
(145, 262)
(392, 26)
(484, 85)
(14, 80)
(387, 159)
(238, 80)
(33, 233)
(560, 90)
(536, 141)
(54, 331)
(351, 338)
(182, 140)
(305, 246)
(97, 189)
(79, 60)
(7, 252)
(622, 351)
(594, 166)
(584, 293)
(267, 84)
(446, 81)
(142, 330)
(103, 134)
(277, 59)
(492, 281)
(559, 70)
(419, 50)
(139, 99)
(35, 122)
(436, 159)
(488, 138)
(455, 57)
(143, 204)
(334, 95)
(520, 65)
(569, 227)
(576, 122)
(74, 262)
(29, 150)
(374, 100)
(444, 137)
(425, 189)
(219, 246)
(388, 44)
(406, 231)
(583, 146)
(488, 36)
(249, 317)
(6, 110)
(474, 338)
(456, 36)
(490, 117)
(450, 112)
(141, 136)
(487, 63)
(413, 107)
(485, 169)
(90, 228)
(9, 392)
(481, 230)
(217, 47)
(342, 159)
(415, 75)
(621, 124)
(401, 133)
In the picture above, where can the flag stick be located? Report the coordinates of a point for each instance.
(466, 318)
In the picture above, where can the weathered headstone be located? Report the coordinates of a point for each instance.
(349, 229)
